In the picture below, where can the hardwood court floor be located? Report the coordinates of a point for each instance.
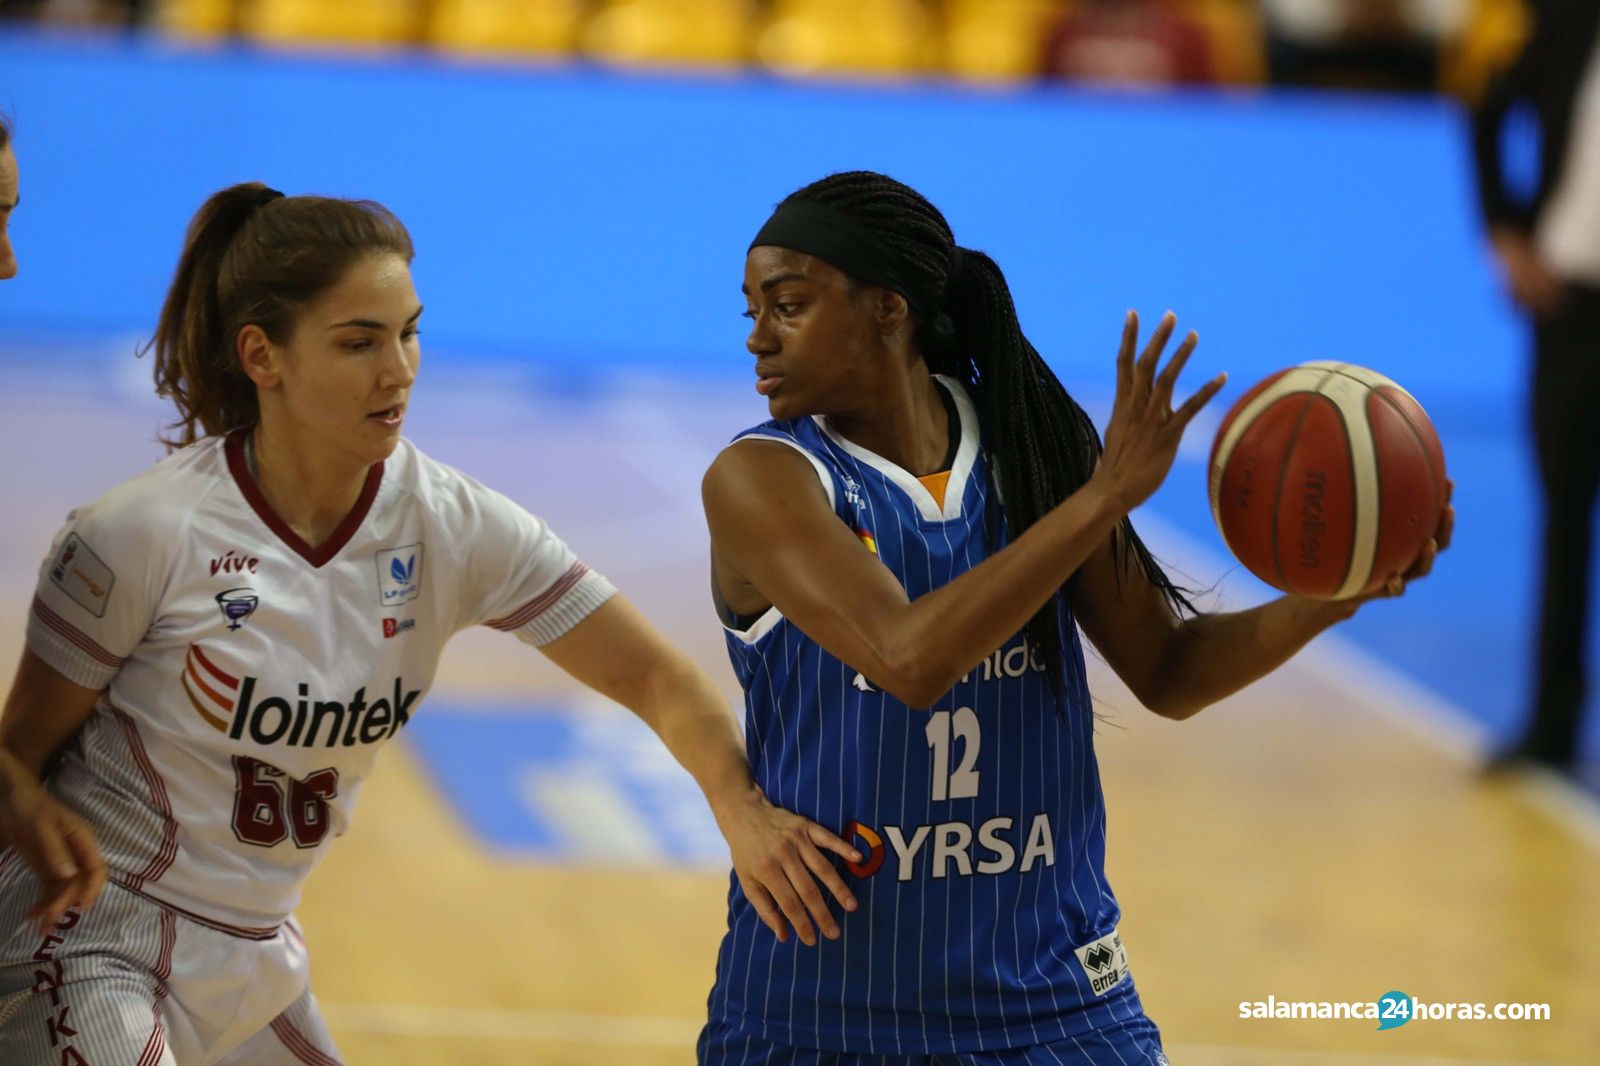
(1318, 837)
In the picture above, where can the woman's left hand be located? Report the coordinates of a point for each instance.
(1396, 585)
(1440, 540)
(780, 859)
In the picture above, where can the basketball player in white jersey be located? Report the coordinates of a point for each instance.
(218, 647)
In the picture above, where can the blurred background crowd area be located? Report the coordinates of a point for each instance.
(1445, 46)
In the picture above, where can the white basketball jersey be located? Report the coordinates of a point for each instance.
(249, 678)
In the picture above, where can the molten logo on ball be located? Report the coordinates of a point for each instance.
(1312, 527)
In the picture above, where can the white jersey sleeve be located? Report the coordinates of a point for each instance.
(517, 574)
(100, 588)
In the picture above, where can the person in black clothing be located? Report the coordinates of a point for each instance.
(1548, 247)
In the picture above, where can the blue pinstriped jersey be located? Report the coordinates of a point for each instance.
(986, 920)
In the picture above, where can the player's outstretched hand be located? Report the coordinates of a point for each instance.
(57, 845)
(1142, 437)
(779, 858)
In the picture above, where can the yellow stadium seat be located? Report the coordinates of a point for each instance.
(347, 22)
(672, 32)
(196, 18)
(997, 40)
(1234, 30)
(505, 27)
(1494, 32)
(871, 37)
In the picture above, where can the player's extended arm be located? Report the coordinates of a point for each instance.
(777, 854)
(42, 711)
(1178, 666)
(771, 524)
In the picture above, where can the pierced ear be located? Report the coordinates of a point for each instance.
(258, 358)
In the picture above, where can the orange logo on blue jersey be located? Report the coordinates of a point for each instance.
(874, 859)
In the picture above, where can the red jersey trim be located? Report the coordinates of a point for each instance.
(74, 636)
(233, 447)
(161, 862)
(299, 1045)
(243, 932)
(542, 602)
(158, 1035)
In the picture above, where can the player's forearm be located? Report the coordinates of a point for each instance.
(948, 631)
(13, 775)
(42, 710)
(1212, 656)
(694, 721)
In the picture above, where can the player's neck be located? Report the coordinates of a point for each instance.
(308, 492)
(905, 422)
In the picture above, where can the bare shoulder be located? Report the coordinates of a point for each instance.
(756, 469)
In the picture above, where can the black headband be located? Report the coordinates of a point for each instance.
(834, 237)
(265, 196)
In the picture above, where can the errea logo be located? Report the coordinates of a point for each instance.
(399, 574)
(1104, 962)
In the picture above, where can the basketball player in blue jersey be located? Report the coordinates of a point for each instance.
(903, 558)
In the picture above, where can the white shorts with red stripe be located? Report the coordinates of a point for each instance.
(131, 981)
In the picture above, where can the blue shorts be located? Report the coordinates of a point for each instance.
(1135, 1042)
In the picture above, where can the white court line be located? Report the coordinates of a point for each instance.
(477, 1023)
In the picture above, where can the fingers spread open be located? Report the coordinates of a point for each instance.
(823, 837)
(761, 900)
(777, 882)
(1144, 370)
(1202, 396)
(1130, 340)
(811, 896)
(1169, 374)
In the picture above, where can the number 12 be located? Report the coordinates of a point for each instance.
(962, 782)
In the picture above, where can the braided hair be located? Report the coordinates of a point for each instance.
(1041, 445)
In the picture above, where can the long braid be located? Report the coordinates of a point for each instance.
(1042, 446)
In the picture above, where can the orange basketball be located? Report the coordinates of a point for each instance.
(1325, 479)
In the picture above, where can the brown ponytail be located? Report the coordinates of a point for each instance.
(252, 257)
